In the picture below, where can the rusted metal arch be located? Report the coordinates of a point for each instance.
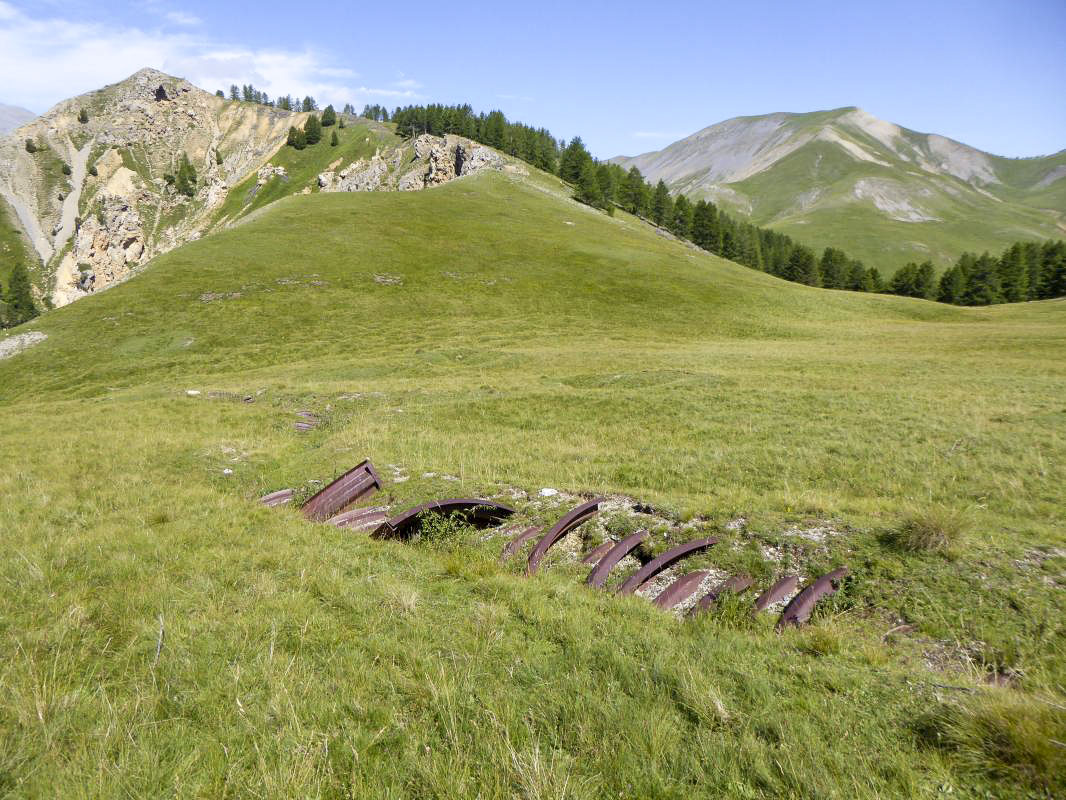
(516, 543)
(358, 482)
(598, 553)
(657, 565)
(278, 498)
(779, 591)
(569, 521)
(599, 573)
(476, 511)
(736, 584)
(798, 611)
(360, 519)
(681, 589)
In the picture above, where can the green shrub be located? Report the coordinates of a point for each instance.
(66, 169)
(31, 146)
(92, 170)
(83, 116)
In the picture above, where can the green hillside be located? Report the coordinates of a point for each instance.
(883, 193)
(164, 635)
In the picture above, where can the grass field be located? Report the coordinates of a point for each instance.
(165, 636)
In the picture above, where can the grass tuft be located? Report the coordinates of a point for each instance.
(935, 530)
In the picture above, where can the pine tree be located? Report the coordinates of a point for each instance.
(340, 122)
(858, 278)
(234, 92)
(662, 205)
(1014, 274)
(20, 305)
(834, 268)
(1053, 270)
(588, 186)
(308, 104)
(982, 283)
(83, 116)
(705, 225)
(925, 281)
(680, 222)
(333, 140)
(31, 146)
(313, 130)
(573, 160)
(220, 93)
(185, 180)
(905, 281)
(803, 266)
(329, 117)
(874, 280)
(635, 193)
(952, 286)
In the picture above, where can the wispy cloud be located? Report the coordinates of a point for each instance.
(46, 59)
(181, 18)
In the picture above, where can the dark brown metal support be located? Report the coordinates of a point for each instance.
(779, 591)
(570, 520)
(657, 565)
(475, 511)
(358, 482)
(798, 611)
(736, 584)
(680, 590)
(599, 573)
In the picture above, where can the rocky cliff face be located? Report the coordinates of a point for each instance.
(436, 160)
(97, 195)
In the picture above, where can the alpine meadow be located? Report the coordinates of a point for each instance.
(353, 450)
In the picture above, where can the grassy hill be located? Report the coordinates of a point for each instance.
(885, 194)
(164, 635)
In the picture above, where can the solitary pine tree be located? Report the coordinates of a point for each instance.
(83, 116)
(185, 180)
(312, 130)
(329, 117)
(333, 140)
(20, 305)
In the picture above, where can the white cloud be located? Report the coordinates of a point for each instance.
(181, 18)
(45, 60)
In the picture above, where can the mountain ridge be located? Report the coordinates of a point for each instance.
(813, 175)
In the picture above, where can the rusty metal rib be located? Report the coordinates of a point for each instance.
(657, 565)
(476, 511)
(599, 573)
(360, 481)
(736, 584)
(516, 543)
(359, 519)
(598, 553)
(278, 498)
(779, 591)
(799, 609)
(569, 521)
(681, 589)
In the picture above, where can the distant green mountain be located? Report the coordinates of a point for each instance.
(884, 193)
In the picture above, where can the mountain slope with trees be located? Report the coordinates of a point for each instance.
(884, 193)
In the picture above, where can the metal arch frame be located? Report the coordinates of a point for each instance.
(358, 482)
(778, 591)
(681, 589)
(570, 520)
(598, 576)
(477, 511)
(799, 609)
(735, 583)
(657, 565)
(513, 546)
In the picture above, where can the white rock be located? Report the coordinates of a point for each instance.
(192, 392)
(546, 492)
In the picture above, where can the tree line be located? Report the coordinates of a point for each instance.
(1025, 271)
(249, 94)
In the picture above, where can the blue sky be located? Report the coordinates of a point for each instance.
(627, 77)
